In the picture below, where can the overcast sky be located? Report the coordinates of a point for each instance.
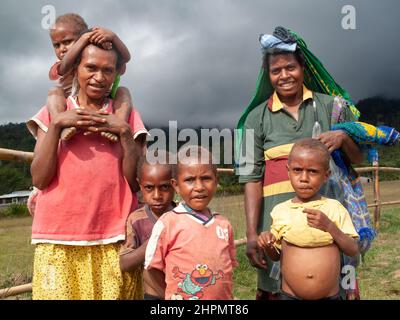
(197, 61)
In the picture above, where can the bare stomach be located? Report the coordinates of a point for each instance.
(310, 273)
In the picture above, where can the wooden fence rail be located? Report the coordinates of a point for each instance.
(15, 155)
(14, 291)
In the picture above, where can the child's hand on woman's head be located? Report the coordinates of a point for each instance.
(107, 45)
(103, 37)
(266, 240)
(317, 219)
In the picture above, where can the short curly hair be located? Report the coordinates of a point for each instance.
(163, 158)
(75, 20)
(188, 154)
(320, 151)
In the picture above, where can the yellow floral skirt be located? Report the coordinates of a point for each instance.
(63, 272)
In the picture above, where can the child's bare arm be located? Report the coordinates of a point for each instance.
(123, 103)
(317, 219)
(102, 36)
(133, 259)
(266, 241)
(70, 57)
(158, 277)
(55, 101)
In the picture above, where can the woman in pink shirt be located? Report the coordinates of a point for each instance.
(88, 187)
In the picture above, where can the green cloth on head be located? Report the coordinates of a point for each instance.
(115, 86)
(318, 79)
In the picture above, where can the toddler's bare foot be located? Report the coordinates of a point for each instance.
(68, 133)
(110, 136)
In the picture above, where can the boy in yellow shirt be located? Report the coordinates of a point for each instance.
(309, 231)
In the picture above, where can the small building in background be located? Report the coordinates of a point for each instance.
(18, 197)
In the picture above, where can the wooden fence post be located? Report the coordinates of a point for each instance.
(377, 196)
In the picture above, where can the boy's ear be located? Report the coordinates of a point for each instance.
(175, 185)
(327, 174)
(140, 185)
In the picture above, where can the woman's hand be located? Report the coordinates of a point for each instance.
(110, 123)
(333, 140)
(255, 254)
(79, 118)
(338, 139)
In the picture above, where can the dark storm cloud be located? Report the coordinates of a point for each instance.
(197, 61)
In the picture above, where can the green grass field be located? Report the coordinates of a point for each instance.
(379, 274)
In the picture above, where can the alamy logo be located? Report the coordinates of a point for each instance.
(349, 20)
(349, 277)
(49, 16)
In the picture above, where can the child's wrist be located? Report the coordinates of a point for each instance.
(125, 132)
(113, 36)
(331, 227)
(86, 36)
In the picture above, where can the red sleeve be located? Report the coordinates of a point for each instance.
(39, 120)
(53, 73)
(136, 124)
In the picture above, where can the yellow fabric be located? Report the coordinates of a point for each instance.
(277, 188)
(279, 151)
(278, 105)
(132, 288)
(289, 222)
(63, 272)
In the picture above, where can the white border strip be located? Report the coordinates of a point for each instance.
(81, 242)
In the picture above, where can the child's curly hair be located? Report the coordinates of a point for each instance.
(163, 157)
(75, 20)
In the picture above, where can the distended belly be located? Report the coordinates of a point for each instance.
(310, 273)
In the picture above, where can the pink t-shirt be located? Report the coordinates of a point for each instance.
(88, 200)
(196, 256)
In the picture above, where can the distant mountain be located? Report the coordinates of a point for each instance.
(380, 111)
(16, 136)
